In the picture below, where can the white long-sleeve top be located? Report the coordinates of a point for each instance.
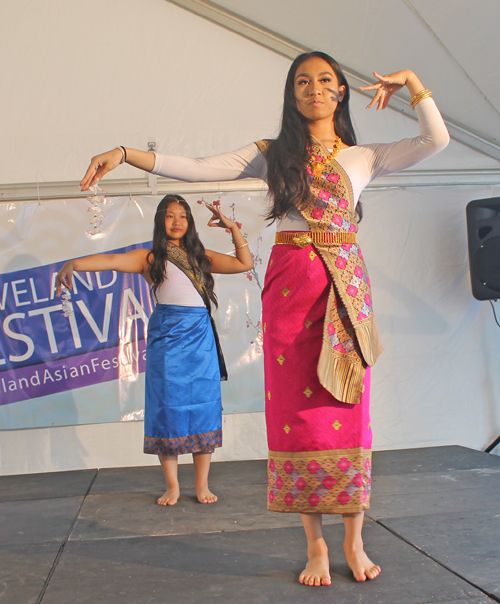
(362, 163)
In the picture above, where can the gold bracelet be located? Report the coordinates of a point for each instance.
(420, 96)
(238, 247)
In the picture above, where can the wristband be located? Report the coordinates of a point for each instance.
(124, 154)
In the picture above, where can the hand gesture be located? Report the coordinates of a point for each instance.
(101, 165)
(386, 86)
(218, 219)
(64, 278)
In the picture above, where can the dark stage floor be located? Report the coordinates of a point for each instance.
(98, 536)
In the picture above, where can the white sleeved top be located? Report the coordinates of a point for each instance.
(362, 163)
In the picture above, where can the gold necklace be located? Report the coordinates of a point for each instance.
(318, 166)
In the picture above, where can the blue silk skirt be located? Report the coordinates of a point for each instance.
(183, 409)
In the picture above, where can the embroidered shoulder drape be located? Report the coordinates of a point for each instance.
(346, 351)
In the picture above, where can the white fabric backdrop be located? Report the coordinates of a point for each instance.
(438, 379)
(28, 240)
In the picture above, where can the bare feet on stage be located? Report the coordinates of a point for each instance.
(172, 492)
(201, 463)
(362, 567)
(170, 497)
(317, 570)
(204, 495)
(201, 469)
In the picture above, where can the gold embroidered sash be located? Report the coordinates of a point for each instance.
(346, 350)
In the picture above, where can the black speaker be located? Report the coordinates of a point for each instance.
(483, 234)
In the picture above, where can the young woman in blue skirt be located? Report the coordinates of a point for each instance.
(184, 366)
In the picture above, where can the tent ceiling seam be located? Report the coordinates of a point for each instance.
(290, 49)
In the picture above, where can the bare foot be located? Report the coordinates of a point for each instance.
(317, 570)
(170, 497)
(362, 567)
(204, 495)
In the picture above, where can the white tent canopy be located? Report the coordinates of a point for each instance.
(85, 75)
(198, 78)
(452, 43)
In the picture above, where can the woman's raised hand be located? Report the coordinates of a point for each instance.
(218, 219)
(387, 85)
(101, 165)
(225, 263)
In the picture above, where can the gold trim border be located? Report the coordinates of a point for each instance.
(304, 238)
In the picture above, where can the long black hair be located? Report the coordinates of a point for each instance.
(158, 255)
(287, 156)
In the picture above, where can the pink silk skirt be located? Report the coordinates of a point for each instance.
(319, 448)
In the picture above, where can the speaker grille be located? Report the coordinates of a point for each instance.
(487, 263)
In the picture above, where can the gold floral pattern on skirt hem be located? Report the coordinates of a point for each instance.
(319, 482)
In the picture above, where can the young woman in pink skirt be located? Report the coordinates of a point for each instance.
(320, 336)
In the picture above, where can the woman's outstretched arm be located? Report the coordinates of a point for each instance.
(247, 162)
(105, 162)
(130, 262)
(222, 263)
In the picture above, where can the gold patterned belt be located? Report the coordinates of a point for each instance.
(304, 238)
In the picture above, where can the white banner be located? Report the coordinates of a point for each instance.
(88, 368)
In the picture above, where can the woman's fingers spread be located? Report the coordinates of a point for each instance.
(385, 79)
(381, 99)
(370, 87)
(218, 219)
(381, 80)
(215, 215)
(387, 97)
(213, 209)
(375, 99)
(382, 96)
